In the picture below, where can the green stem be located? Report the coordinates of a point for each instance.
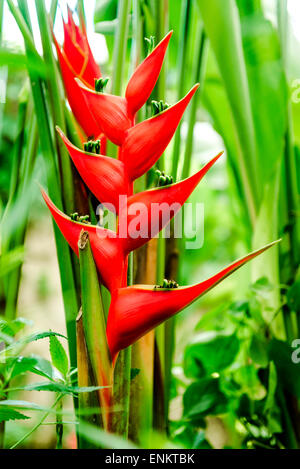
(20, 232)
(119, 55)
(40, 422)
(59, 426)
(182, 63)
(57, 108)
(122, 379)
(24, 28)
(81, 13)
(85, 378)
(121, 393)
(53, 9)
(291, 185)
(7, 240)
(94, 325)
(289, 430)
(1, 20)
(198, 76)
(2, 432)
(161, 22)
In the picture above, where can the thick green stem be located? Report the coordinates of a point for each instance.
(120, 46)
(182, 63)
(121, 393)
(119, 55)
(198, 76)
(87, 400)
(94, 326)
(53, 9)
(122, 380)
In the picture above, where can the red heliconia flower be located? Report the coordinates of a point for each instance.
(116, 114)
(76, 61)
(136, 310)
(111, 249)
(106, 247)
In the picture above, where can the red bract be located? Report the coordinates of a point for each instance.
(119, 127)
(116, 114)
(76, 47)
(136, 310)
(143, 80)
(145, 143)
(106, 177)
(150, 212)
(76, 61)
(106, 247)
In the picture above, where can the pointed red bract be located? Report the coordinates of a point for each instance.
(76, 100)
(110, 111)
(105, 177)
(136, 310)
(145, 143)
(106, 247)
(77, 49)
(116, 115)
(149, 212)
(143, 80)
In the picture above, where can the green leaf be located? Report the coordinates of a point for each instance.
(58, 356)
(258, 351)
(247, 378)
(209, 353)
(225, 35)
(293, 297)
(33, 364)
(7, 414)
(11, 260)
(202, 398)
(105, 10)
(20, 405)
(50, 386)
(32, 338)
(288, 372)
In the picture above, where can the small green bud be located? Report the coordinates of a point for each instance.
(100, 84)
(74, 216)
(158, 107)
(162, 181)
(97, 147)
(150, 41)
(93, 147)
